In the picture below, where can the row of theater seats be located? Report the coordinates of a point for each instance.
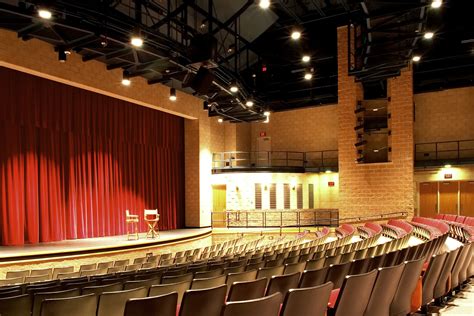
(362, 274)
(468, 220)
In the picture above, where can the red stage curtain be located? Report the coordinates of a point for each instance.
(72, 161)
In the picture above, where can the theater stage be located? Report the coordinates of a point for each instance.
(91, 246)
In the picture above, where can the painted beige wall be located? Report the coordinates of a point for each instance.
(444, 115)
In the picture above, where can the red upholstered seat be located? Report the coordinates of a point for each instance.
(333, 298)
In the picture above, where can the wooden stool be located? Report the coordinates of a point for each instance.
(131, 219)
(151, 218)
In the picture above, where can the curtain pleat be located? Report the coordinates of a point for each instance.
(72, 161)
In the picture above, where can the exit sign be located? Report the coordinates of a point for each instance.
(263, 134)
(331, 183)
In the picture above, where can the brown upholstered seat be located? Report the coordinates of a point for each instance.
(71, 306)
(162, 305)
(309, 301)
(247, 290)
(204, 302)
(265, 306)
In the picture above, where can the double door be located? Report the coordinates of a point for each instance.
(447, 197)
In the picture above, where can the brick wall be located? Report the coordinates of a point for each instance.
(368, 189)
(444, 115)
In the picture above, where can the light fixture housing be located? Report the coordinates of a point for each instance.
(45, 14)
(220, 120)
(62, 55)
(205, 105)
(136, 41)
(266, 113)
(126, 79)
(306, 58)
(428, 35)
(233, 87)
(249, 103)
(308, 76)
(296, 34)
(173, 94)
(264, 4)
(416, 58)
(436, 4)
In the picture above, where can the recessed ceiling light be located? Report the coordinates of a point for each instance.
(308, 76)
(428, 35)
(136, 41)
(249, 103)
(233, 87)
(264, 4)
(375, 110)
(126, 81)
(416, 58)
(296, 35)
(376, 150)
(306, 58)
(220, 120)
(45, 14)
(436, 4)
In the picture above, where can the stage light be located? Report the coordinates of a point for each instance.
(173, 94)
(233, 87)
(264, 4)
(45, 14)
(126, 79)
(62, 55)
(428, 35)
(220, 120)
(436, 4)
(416, 58)
(295, 34)
(136, 41)
(249, 103)
(306, 58)
(308, 76)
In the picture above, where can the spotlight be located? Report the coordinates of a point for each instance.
(45, 14)
(62, 55)
(428, 35)
(416, 58)
(295, 34)
(266, 113)
(126, 79)
(306, 58)
(233, 87)
(308, 76)
(173, 94)
(264, 4)
(249, 103)
(220, 120)
(436, 4)
(136, 41)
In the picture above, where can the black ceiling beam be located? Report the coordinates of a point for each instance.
(171, 15)
(118, 65)
(118, 53)
(24, 32)
(289, 11)
(234, 17)
(316, 5)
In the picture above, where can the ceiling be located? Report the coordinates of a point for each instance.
(252, 47)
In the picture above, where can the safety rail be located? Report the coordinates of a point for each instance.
(379, 217)
(446, 152)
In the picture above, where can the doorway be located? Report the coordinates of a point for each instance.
(467, 198)
(448, 197)
(219, 205)
(428, 199)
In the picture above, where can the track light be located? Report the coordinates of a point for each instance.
(416, 58)
(266, 113)
(436, 4)
(126, 79)
(306, 58)
(220, 120)
(264, 4)
(308, 76)
(45, 14)
(249, 103)
(428, 35)
(233, 87)
(173, 94)
(136, 39)
(296, 34)
(62, 56)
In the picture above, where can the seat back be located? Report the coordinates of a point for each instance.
(16, 274)
(102, 265)
(208, 282)
(177, 279)
(307, 301)
(68, 275)
(247, 290)
(94, 272)
(337, 273)
(311, 278)
(208, 274)
(265, 306)
(204, 302)
(57, 271)
(85, 305)
(128, 285)
(91, 266)
(455, 281)
(99, 289)
(40, 297)
(12, 281)
(401, 303)
(47, 271)
(431, 277)
(463, 274)
(10, 291)
(291, 268)
(162, 305)
(315, 264)
(113, 303)
(121, 263)
(441, 286)
(384, 290)
(16, 306)
(355, 294)
(37, 278)
(241, 276)
(269, 272)
(162, 289)
(283, 283)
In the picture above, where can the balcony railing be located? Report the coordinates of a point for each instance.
(448, 152)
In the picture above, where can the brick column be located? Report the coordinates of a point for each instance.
(371, 189)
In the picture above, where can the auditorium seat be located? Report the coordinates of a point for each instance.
(283, 283)
(38, 298)
(463, 274)
(203, 302)
(430, 277)
(353, 296)
(455, 279)
(94, 272)
(162, 305)
(209, 273)
(68, 275)
(269, 272)
(315, 264)
(85, 305)
(16, 306)
(9, 292)
(90, 266)
(265, 306)
(113, 303)
(311, 278)
(208, 282)
(133, 267)
(240, 276)
(255, 266)
(140, 260)
(384, 290)
(79, 285)
(37, 278)
(121, 263)
(12, 281)
(38, 272)
(162, 289)
(176, 279)
(337, 273)
(247, 290)
(128, 285)
(99, 289)
(294, 267)
(309, 301)
(57, 271)
(17, 274)
(107, 264)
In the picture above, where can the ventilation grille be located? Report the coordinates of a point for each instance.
(273, 196)
(258, 196)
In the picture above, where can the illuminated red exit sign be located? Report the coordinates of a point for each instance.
(331, 184)
(263, 134)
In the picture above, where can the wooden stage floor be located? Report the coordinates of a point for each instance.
(96, 245)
